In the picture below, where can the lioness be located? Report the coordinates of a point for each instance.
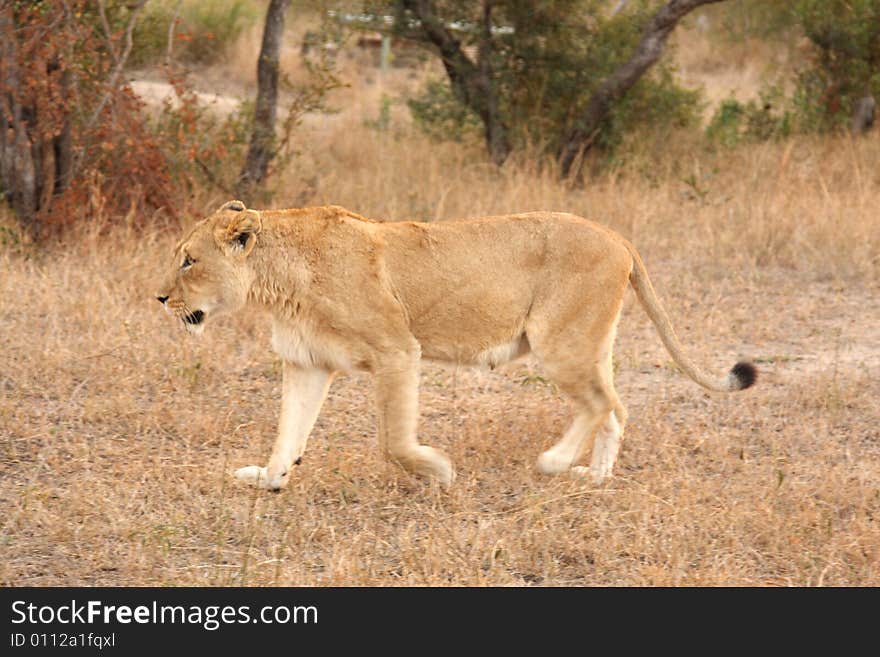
(345, 292)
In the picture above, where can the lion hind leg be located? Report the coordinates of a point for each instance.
(594, 413)
(562, 456)
(605, 449)
(608, 438)
(598, 411)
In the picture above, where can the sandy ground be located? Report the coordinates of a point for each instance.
(120, 435)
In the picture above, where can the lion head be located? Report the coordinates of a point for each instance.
(210, 274)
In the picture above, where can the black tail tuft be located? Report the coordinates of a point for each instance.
(745, 374)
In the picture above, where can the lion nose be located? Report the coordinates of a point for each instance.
(161, 299)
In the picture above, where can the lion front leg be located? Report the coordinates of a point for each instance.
(397, 398)
(303, 393)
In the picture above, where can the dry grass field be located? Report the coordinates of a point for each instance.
(119, 432)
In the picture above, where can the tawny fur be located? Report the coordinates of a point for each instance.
(344, 292)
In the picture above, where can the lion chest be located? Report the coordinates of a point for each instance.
(297, 342)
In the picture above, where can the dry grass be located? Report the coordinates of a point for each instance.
(118, 433)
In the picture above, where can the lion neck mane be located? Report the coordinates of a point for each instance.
(289, 248)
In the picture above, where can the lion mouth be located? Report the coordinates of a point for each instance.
(194, 318)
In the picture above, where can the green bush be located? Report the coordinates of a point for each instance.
(769, 117)
(439, 113)
(657, 103)
(548, 65)
(845, 63)
(842, 66)
(203, 30)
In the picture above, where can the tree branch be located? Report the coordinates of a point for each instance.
(581, 135)
(459, 68)
(119, 59)
(471, 83)
(108, 35)
(169, 47)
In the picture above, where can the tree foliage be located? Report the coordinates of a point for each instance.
(72, 137)
(557, 59)
(546, 61)
(845, 59)
(837, 71)
(76, 142)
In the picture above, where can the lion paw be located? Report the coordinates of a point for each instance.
(597, 477)
(445, 472)
(427, 462)
(435, 464)
(258, 476)
(552, 462)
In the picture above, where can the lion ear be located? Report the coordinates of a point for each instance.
(239, 233)
(235, 206)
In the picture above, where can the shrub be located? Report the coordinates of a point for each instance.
(201, 32)
(200, 148)
(74, 142)
(844, 61)
(440, 114)
(769, 117)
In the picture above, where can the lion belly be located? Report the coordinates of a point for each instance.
(490, 357)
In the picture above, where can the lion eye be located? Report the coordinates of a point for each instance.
(187, 262)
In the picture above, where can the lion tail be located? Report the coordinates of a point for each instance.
(740, 377)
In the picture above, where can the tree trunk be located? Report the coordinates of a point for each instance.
(17, 178)
(63, 143)
(863, 114)
(472, 84)
(261, 149)
(496, 131)
(580, 136)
